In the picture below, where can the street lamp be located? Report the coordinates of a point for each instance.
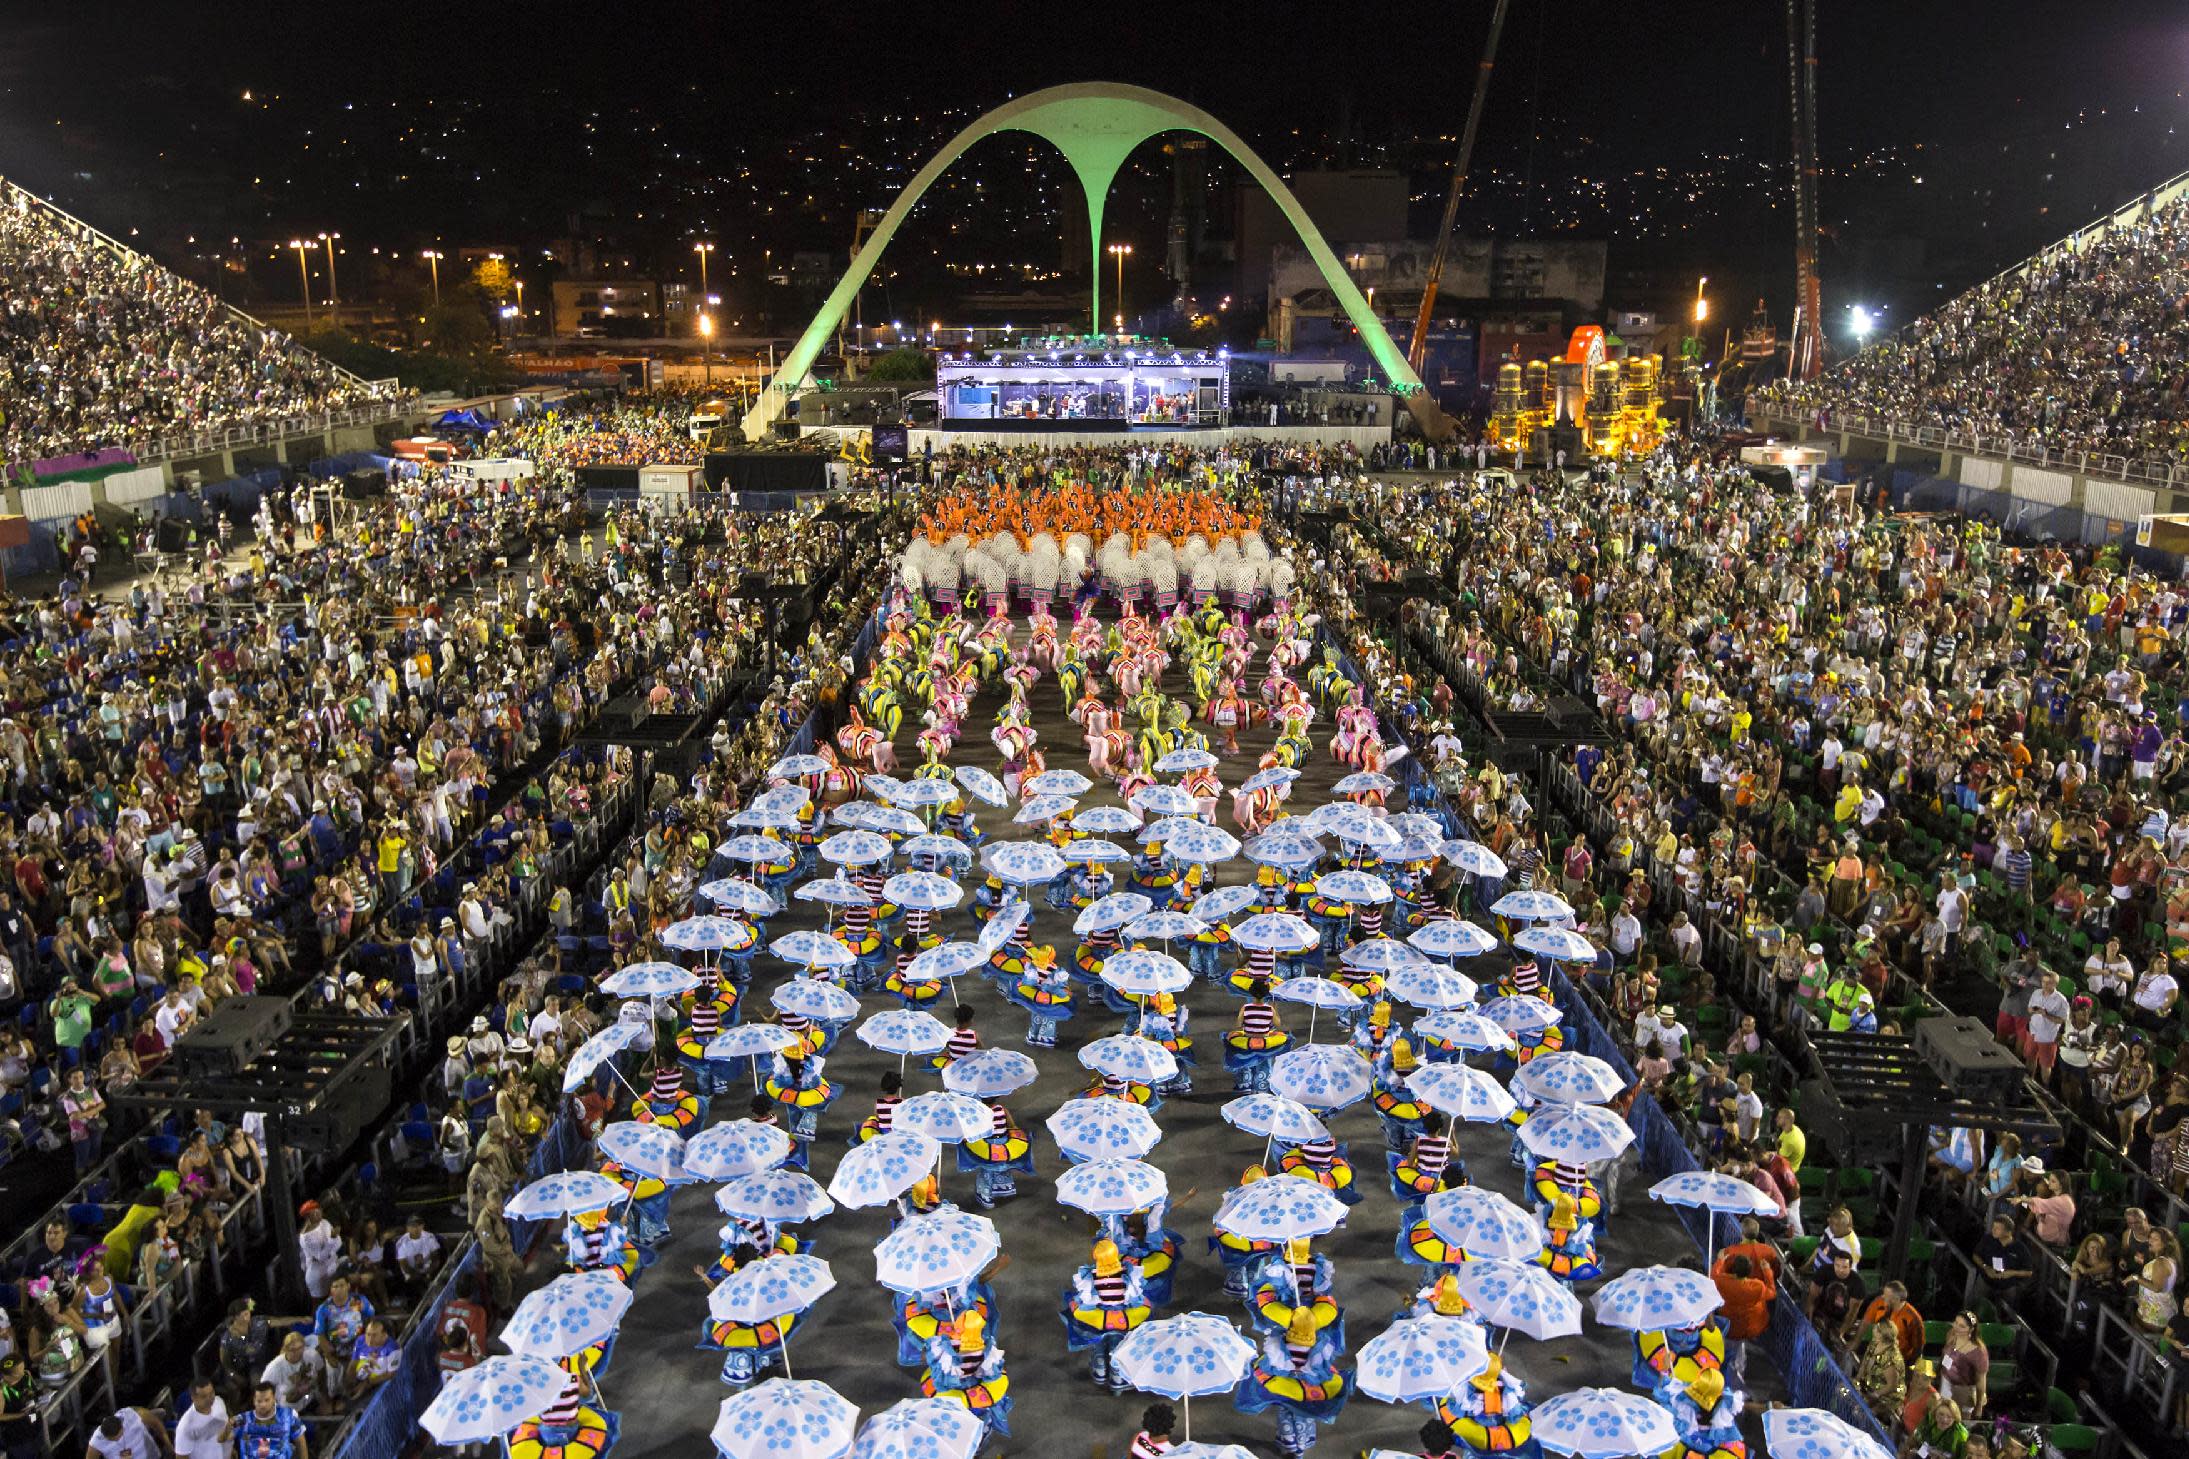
(1121, 252)
(433, 259)
(703, 249)
(334, 295)
(1862, 322)
(706, 345)
(1702, 305)
(304, 276)
(520, 301)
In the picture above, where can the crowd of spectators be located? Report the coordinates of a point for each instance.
(101, 347)
(2082, 349)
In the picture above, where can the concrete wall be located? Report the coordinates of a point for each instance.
(1515, 269)
(1362, 438)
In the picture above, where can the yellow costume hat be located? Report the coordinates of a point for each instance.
(1106, 1260)
(1043, 956)
(1380, 1015)
(1402, 1057)
(1445, 1298)
(968, 1333)
(1706, 1388)
(1302, 1329)
(1252, 1174)
(1296, 1249)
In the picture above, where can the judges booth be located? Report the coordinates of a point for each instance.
(1798, 462)
(666, 483)
(1081, 386)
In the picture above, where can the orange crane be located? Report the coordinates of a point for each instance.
(1805, 357)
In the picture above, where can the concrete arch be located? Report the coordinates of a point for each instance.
(1096, 125)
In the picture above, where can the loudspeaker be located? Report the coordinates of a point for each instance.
(365, 486)
(232, 1037)
(1965, 1056)
(173, 533)
(345, 1114)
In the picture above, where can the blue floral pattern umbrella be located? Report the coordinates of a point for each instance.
(1103, 1129)
(923, 790)
(1421, 1359)
(942, 1116)
(856, 848)
(991, 1073)
(860, 815)
(487, 1400)
(1462, 1092)
(568, 1315)
(881, 787)
(787, 1196)
(1362, 782)
(921, 1428)
(936, 1251)
(1143, 973)
(736, 1149)
(1162, 800)
(1056, 782)
(946, 960)
(1813, 1433)
(1112, 1187)
(1531, 906)
(1450, 937)
(1522, 1297)
(933, 847)
(1274, 778)
(596, 1051)
(1130, 1057)
(1482, 1223)
(649, 1149)
(922, 891)
(1567, 1077)
(1093, 852)
(811, 998)
(1184, 1357)
(1320, 1076)
(1180, 761)
(895, 820)
(649, 980)
(1317, 993)
(1430, 985)
(883, 1168)
(1366, 830)
(1224, 903)
(712, 934)
(779, 805)
(982, 786)
(1578, 1134)
(1284, 850)
(1561, 944)
(565, 1193)
(1464, 1028)
(1603, 1423)
(749, 1040)
(1042, 808)
(835, 891)
(792, 767)
(906, 1032)
(1379, 954)
(735, 894)
(1022, 863)
(1521, 1013)
(785, 1418)
(1165, 926)
(753, 848)
(1475, 859)
(1646, 1298)
(1105, 820)
(1279, 1210)
(1726, 1194)
(1360, 888)
(810, 949)
(1107, 914)
(1274, 1117)
(1202, 844)
(765, 1290)
(1007, 919)
(1279, 932)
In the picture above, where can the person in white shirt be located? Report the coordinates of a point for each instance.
(1687, 940)
(2155, 995)
(417, 1251)
(203, 1430)
(2108, 973)
(172, 1016)
(1626, 932)
(2048, 1014)
(130, 1433)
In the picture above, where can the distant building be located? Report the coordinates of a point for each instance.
(622, 308)
(1348, 207)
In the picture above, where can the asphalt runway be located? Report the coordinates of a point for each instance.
(668, 1390)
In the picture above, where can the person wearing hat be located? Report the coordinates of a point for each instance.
(1162, 1020)
(1107, 1299)
(994, 1158)
(1569, 1242)
(1296, 1373)
(1256, 1037)
(1706, 1417)
(1045, 992)
(964, 1366)
(1292, 1280)
(20, 1432)
(798, 1086)
(1401, 1112)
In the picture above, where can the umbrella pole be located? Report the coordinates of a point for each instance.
(1187, 1400)
(782, 1348)
(1269, 1148)
(1312, 1010)
(1504, 1335)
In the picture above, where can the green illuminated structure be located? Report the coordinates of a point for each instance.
(1096, 125)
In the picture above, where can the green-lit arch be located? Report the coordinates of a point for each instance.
(1096, 125)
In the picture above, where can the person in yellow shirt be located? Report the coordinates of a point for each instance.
(390, 849)
(1849, 802)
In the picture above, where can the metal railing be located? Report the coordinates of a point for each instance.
(2145, 470)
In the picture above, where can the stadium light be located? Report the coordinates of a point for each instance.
(304, 275)
(432, 257)
(1861, 321)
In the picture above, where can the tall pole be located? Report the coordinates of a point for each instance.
(304, 276)
(334, 295)
(1418, 348)
(433, 261)
(1120, 251)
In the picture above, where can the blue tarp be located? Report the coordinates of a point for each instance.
(463, 420)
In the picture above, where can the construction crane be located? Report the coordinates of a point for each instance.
(1805, 357)
(1417, 349)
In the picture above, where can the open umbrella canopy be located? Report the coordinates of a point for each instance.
(565, 1193)
(1464, 1028)
(1093, 852)
(1568, 1077)
(649, 980)
(1713, 1191)
(1814, 1433)
(935, 1252)
(937, 848)
(1102, 1129)
(1462, 1092)
(921, 1428)
(753, 848)
(1603, 1423)
(1365, 830)
(1130, 1057)
(1430, 985)
(736, 1149)
(1056, 782)
(1645, 1299)
(991, 1073)
(922, 891)
(1043, 808)
(1190, 757)
(883, 1168)
(921, 790)
(1284, 848)
(1317, 993)
(1451, 937)
(811, 998)
(1522, 1013)
(946, 960)
(1320, 1076)
(735, 894)
(810, 949)
(1201, 843)
(1381, 954)
(1279, 1210)
(943, 1115)
(649, 1149)
(596, 1051)
(982, 786)
(859, 815)
(1105, 820)
(1274, 778)
(568, 1315)
(1577, 1134)
(787, 1196)
(1165, 926)
(1561, 944)
(1274, 1117)
(856, 848)
(1482, 1223)
(1006, 920)
(791, 767)
(1186, 1356)
(1163, 800)
(785, 1418)
(835, 891)
(905, 1032)
(1421, 1359)
(1363, 782)
(1531, 906)
(1362, 888)
(487, 1400)
(1521, 1296)
(1112, 1187)
(1022, 863)
(1143, 973)
(1223, 904)
(711, 934)
(881, 787)
(1279, 932)
(895, 820)
(1475, 859)
(765, 1290)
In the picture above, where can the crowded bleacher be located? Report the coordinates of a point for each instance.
(101, 347)
(2085, 348)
